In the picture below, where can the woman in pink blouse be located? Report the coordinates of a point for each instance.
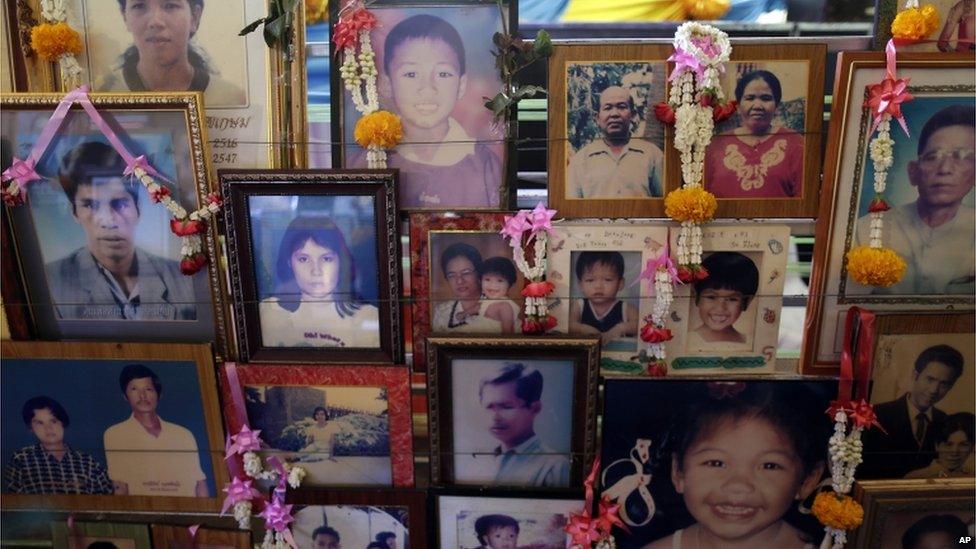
(758, 159)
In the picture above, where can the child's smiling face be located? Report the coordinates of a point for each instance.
(741, 478)
(425, 81)
(720, 309)
(494, 286)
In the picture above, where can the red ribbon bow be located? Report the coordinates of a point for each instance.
(887, 96)
(585, 529)
(346, 32)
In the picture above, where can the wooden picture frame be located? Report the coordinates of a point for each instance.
(73, 300)
(890, 505)
(115, 356)
(425, 268)
(360, 201)
(935, 345)
(642, 69)
(487, 357)
(249, 115)
(172, 537)
(935, 79)
(413, 501)
(392, 382)
(484, 148)
(81, 533)
(542, 514)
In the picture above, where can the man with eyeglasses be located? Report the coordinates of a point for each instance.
(934, 234)
(461, 266)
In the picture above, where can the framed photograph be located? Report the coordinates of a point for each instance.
(954, 34)
(932, 219)
(93, 252)
(436, 67)
(315, 265)
(127, 428)
(100, 534)
(462, 278)
(379, 519)
(601, 104)
(693, 470)
(923, 393)
(178, 537)
(729, 322)
(346, 426)
(596, 269)
(192, 46)
(915, 514)
(478, 521)
(512, 413)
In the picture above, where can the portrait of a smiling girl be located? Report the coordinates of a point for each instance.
(314, 303)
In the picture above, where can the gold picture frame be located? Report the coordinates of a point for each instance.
(890, 506)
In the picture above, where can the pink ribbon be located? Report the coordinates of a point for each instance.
(887, 96)
(661, 262)
(684, 61)
(516, 225)
(541, 218)
(277, 517)
(238, 490)
(245, 440)
(192, 530)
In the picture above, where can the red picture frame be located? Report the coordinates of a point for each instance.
(420, 264)
(395, 379)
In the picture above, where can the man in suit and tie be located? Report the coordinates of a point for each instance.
(912, 421)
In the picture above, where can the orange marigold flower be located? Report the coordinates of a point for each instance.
(380, 128)
(706, 10)
(875, 266)
(915, 23)
(837, 511)
(690, 204)
(53, 41)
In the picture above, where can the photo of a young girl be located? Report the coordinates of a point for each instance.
(732, 466)
(314, 303)
(720, 317)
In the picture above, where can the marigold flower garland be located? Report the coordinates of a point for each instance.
(523, 229)
(915, 23)
(56, 41)
(376, 130)
(874, 264)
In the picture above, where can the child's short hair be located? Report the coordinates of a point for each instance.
(501, 266)
(587, 260)
(729, 271)
(528, 381)
(419, 27)
(485, 523)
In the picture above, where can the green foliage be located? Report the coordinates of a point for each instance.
(278, 25)
(512, 55)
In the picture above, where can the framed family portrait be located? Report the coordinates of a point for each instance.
(677, 475)
(526, 521)
(606, 147)
(345, 425)
(314, 263)
(379, 519)
(110, 426)
(184, 45)
(596, 269)
(765, 161)
(462, 278)
(179, 537)
(955, 32)
(929, 187)
(923, 394)
(94, 255)
(915, 514)
(512, 413)
(82, 535)
(436, 67)
(729, 322)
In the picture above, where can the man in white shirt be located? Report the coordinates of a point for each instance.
(934, 234)
(148, 456)
(616, 166)
(512, 398)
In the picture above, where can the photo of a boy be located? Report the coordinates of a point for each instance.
(720, 299)
(424, 79)
(600, 277)
(497, 532)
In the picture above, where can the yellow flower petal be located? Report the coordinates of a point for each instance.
(875, 266)
(380, 128)
(690, 204)
(708, 10)
(837, 511)
(53, 41)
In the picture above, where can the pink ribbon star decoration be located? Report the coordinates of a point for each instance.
(277, 517)
(516, 225)
(238, 490)
(542, 218)
(245, 440)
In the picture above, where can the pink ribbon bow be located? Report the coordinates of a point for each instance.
(347, 30)
(515, 226)
(542, 218)
(684, 61)
(887, 96)
(277, 517)
(661, 262)
(238, 490)
(583, 528)
(22, 172)
(245, 440)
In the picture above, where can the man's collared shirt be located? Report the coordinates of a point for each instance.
(531, 464)
(596, 172)
(128, 304)
(164, 465)
(34, 471)
(940, 259)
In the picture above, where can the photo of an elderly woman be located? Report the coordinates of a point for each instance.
(760, 157)
(164, 56)
(314, 303)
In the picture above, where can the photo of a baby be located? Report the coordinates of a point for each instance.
(604, 302)
(721, 303)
